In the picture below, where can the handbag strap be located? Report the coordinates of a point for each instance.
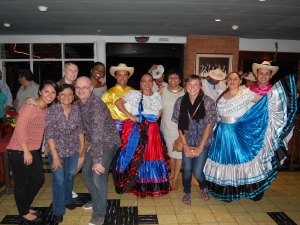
(197, 107)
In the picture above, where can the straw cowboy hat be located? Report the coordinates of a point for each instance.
(264, 65)
(120, 67)
(158, 72)
(249, 76)
(217, 74)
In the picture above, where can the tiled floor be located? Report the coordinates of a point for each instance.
(283, 196)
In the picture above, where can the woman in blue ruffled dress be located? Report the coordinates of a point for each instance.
(141, 167)
(249, 144)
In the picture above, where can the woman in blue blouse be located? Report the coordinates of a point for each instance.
(195, 114)
(65, 139)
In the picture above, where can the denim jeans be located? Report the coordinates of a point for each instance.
(194, 166)
(27, 179)
(62, 183)
(97, 184)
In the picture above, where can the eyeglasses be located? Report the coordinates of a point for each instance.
(66, 94)
(82, 88)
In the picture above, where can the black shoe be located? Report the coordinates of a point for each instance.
(37, 212)
(36, 220)
(58, 219)
(71, 206)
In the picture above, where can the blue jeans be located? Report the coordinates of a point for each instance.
(194, 166)
(62, 183)
(97, 184)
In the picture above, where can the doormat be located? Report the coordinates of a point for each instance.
(281, 218)
(115, 214)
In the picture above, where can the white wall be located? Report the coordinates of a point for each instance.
(268, 45)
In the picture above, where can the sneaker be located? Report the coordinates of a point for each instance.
(96, 220)
(74, 195)
(88, 205)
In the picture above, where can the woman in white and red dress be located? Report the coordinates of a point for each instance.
(141, 167)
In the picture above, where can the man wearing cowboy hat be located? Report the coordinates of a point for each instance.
(122, 73)
(263, 73)
(214, 84)
(157, 72)
(249, 79)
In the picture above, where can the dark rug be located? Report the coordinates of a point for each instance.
(115, 214)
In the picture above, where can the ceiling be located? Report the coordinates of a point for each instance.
(274, 19)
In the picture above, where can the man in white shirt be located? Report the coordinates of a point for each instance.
(29, 88)
(214, 85)
(157, 72)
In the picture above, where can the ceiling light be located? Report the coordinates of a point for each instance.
(6, 24)
(98, 30)
(218, 20)
(235, 27)
(42, 8)
(261, 0)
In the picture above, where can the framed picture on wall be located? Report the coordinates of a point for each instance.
(207, 62)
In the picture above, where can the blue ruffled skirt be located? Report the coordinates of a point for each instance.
(245, 155)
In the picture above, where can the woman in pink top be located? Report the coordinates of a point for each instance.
(23, 151)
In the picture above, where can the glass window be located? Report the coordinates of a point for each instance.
(46, 51)
(49, 70)
(15, 51)
(84, 67)
(79, 51)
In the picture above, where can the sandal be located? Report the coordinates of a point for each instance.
(187, 199)
(174, 185)
(204, 194)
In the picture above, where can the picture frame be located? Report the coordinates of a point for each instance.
(207, 62)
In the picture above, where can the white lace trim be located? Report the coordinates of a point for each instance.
(238, 102)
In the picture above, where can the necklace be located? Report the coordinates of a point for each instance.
(174, 91)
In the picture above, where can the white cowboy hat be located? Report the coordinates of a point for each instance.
(264, 65)
(249, 76)
(121, 66)
(217, 74)
(158, 72)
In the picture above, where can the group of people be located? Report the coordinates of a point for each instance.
(232, 146)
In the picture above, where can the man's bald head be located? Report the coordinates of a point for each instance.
(83, 88)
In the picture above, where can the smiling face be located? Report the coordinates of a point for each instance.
(71, 73)
(122, 77)
(47, 94)
(98, 72)
(193, 87)
(233, 81)
(83, 88)
(146, 82)
(174, 80)
(66, 97)
(263, 76)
